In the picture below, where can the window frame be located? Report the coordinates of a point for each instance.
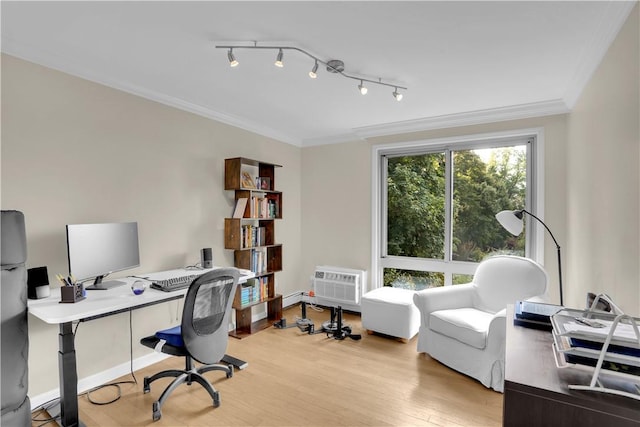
(534, 247)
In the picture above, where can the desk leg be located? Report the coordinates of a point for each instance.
(68, 377)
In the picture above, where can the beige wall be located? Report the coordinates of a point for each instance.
(75, 151)
(336, 198)
(603, 210)
(78, 152)
(592, 186)
(336, 206)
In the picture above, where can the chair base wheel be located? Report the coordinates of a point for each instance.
(216, 399)
(230, 373)
(146, 388)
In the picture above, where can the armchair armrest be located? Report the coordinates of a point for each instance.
(497, 334)
(443, 298)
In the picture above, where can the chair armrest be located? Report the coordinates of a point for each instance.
(497, 335)
(443, 298)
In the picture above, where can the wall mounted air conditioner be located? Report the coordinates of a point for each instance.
(338, 286)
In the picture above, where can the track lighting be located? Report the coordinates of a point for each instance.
(232, 59)
(279, 60)
(362, 88)
(312, 73)
(334, 66)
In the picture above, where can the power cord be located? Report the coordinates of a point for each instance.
(196, 266)
(46, 407)
(117, 384)
(312, 304)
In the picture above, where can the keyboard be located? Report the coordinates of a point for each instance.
(174, 283)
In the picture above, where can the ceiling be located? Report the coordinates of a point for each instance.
(462, 62)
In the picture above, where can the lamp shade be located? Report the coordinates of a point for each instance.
(511, 221)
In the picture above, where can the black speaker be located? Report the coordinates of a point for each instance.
(206, 257)
(38, 283)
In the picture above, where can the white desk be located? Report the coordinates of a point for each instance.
(97, 304)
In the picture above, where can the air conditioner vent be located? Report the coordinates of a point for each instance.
(337, 286)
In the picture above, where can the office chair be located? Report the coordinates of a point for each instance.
(202, 336)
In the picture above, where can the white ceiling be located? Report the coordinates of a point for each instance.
(463, 62)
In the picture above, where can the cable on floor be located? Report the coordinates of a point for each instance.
(46, 407)
(118, 383)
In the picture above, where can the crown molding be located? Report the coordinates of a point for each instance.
(332, 139)
(616, 14)
(37, 56)
(446, 121)
(514, 112)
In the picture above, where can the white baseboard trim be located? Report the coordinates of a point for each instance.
(103, 377)
(291, 299)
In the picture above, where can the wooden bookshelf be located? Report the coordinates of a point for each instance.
(252, 238)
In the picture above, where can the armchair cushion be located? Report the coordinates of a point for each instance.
(467, 325)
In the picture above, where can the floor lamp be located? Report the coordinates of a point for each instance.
(512, 222)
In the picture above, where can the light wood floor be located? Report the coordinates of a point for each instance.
(296, 379)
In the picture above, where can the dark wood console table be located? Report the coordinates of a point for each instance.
(536, 392)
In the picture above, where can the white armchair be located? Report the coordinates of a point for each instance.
(463, 326)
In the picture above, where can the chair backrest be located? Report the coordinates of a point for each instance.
(14, 330)
(505, 279)
(205, 319)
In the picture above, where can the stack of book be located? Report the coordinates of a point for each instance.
(254, 290)
(534, 314)
(263, 207)
(259, 260)
(252, 236)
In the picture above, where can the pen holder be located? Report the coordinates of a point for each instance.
(71, 294)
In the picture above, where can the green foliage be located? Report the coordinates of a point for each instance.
(416, 206)
(480, 190)
(411, 279)
(416, 201)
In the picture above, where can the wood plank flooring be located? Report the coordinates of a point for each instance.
(296, 379)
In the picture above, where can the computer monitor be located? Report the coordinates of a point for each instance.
(97, 250)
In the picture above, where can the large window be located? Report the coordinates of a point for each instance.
(436, 204)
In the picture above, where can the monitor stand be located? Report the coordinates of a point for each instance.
(105, 286)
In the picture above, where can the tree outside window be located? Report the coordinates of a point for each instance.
(441, 206)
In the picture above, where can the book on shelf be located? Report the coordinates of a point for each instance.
(259, 260)
(264, 207)
(252, 236)
(241, 205)
(254, 290)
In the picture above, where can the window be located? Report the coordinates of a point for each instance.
(435, 204)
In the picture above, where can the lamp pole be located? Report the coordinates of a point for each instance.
(519, 215)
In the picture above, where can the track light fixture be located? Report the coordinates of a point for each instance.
(334, 66)
(232, 59)
(279, 59)
(312, 73)
(362, 88)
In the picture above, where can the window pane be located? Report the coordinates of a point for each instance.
(411, 279)
(415, 206)
(486, 181)
(461, 279)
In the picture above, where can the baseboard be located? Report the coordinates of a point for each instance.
(103, 377)
(292, 299)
